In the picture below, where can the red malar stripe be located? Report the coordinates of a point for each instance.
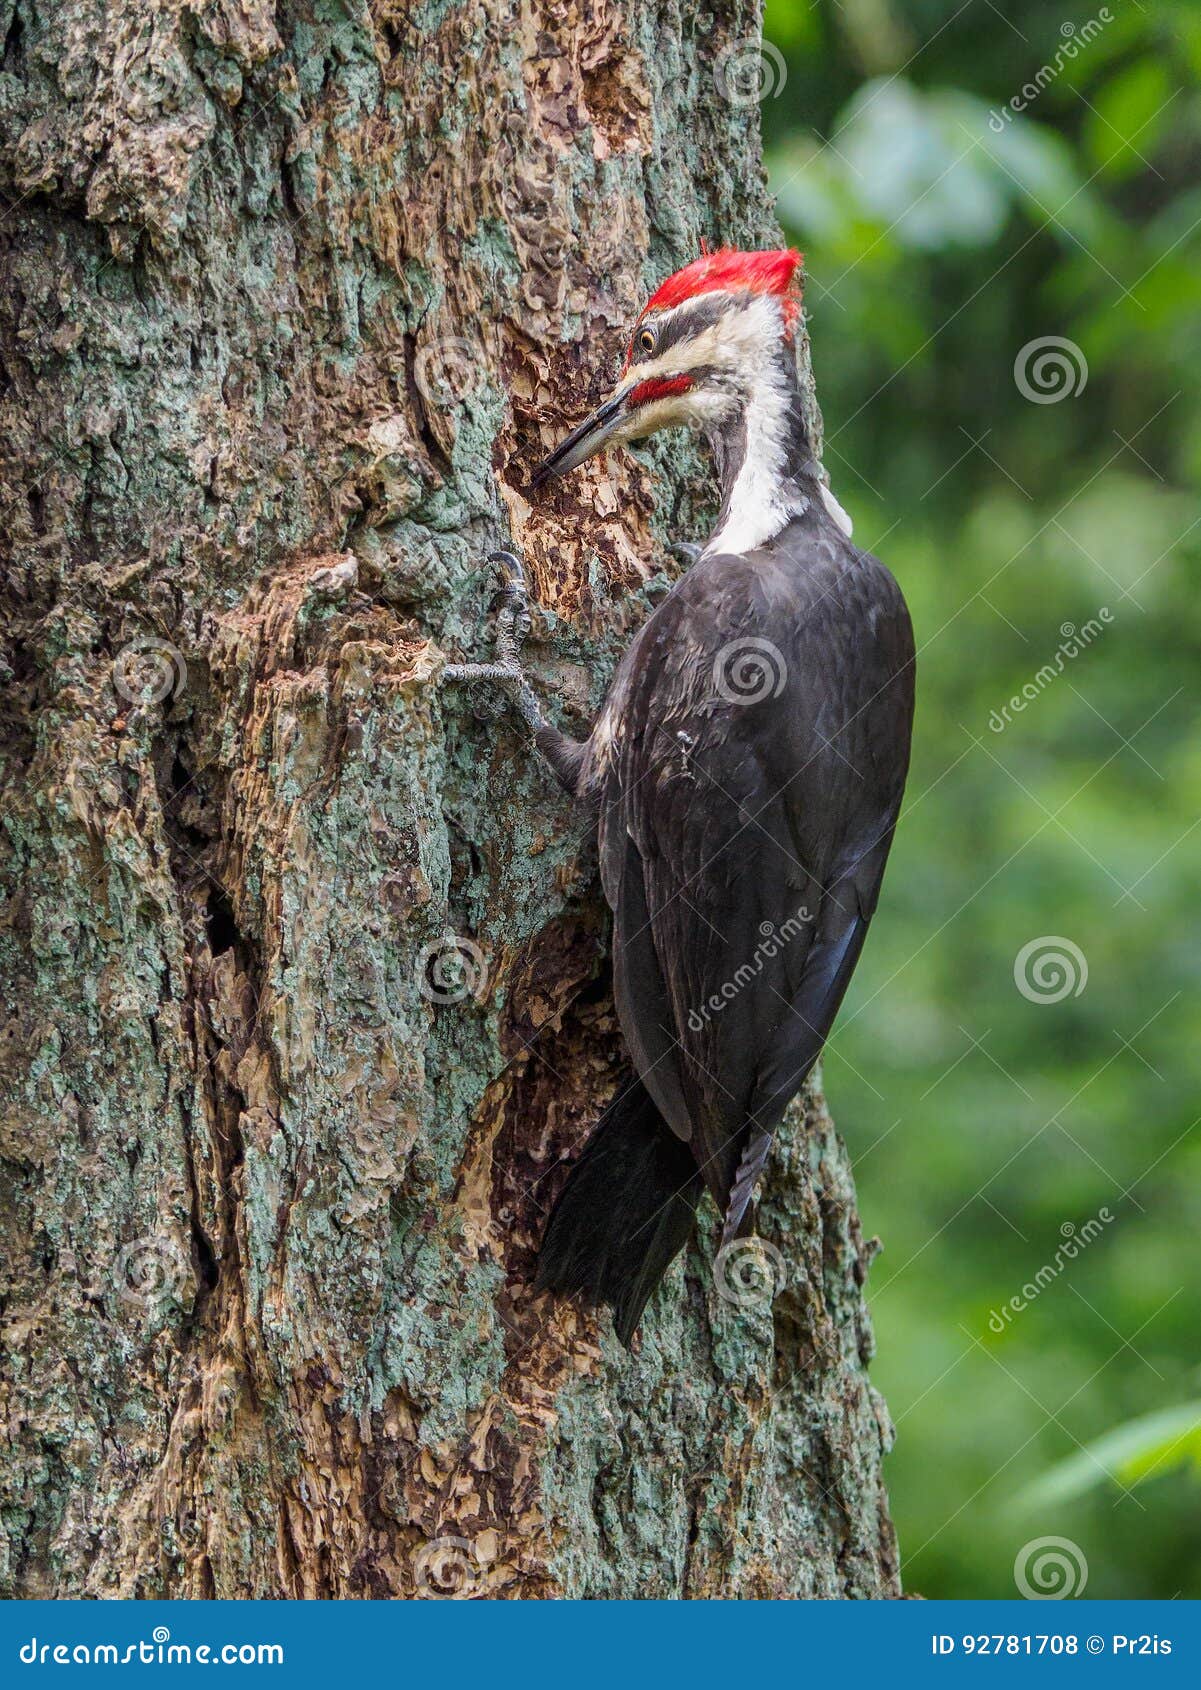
(661, 388)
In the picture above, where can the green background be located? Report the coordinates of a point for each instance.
(942, 237)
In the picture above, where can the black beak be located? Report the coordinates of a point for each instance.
(583, 442)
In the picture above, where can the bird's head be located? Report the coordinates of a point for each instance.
(709, 339)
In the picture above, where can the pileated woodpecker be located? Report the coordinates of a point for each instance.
(747, 768)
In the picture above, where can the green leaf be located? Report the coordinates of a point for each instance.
(1125, 117)
(1145, 1448)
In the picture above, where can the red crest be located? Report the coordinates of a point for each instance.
(727, 271)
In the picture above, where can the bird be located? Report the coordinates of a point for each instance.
(746, 770)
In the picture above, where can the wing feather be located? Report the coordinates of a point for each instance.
(743, 843)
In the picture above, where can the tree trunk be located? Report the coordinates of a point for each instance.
(306, 994)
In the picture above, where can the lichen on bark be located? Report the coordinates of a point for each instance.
(293, 295)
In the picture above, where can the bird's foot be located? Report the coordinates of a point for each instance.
(512, 627)
(686, 551)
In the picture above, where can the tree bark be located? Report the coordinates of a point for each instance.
(306, 998)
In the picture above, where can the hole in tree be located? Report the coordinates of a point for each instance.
(205, 1261)
(13, 55)
(222, 928)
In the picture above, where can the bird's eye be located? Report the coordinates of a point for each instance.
(646, 340)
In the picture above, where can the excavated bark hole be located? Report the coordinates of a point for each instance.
(204, 1262)
(223, 931)
(13, 58)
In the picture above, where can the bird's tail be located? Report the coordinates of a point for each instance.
(625, 1213)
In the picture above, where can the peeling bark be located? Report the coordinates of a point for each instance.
(292, 297)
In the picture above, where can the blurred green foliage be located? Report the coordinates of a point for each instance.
(945, 230)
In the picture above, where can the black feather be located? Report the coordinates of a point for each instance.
(626, 1211)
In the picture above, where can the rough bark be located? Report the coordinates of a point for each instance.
(291, 297)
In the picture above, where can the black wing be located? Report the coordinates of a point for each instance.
(750, 763)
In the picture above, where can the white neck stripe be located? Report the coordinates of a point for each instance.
(762, 498)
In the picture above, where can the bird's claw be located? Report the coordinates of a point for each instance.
(513, 624)
(685, 550)
(513, 611)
